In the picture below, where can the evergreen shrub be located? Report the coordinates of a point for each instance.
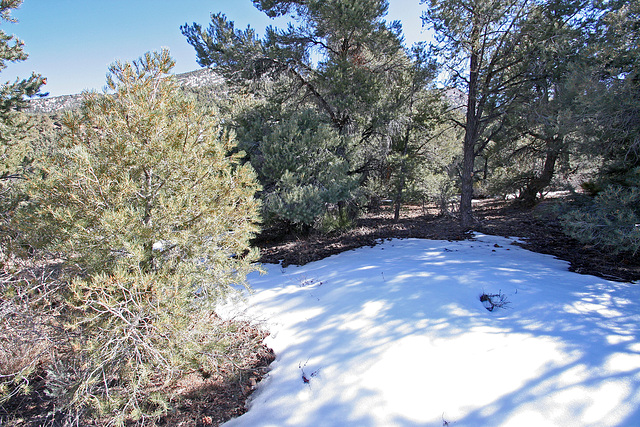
(148, 200)
(301, 171)
(611, 220)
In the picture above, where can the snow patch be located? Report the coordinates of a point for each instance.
(395, 335)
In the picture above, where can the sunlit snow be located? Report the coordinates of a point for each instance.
(395, 335)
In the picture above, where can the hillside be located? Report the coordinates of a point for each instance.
(57, 104)
(191, 79)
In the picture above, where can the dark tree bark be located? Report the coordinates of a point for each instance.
(529, 194)
(470, 138)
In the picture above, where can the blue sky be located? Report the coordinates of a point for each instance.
(72, 42)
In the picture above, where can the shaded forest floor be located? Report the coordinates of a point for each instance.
(538, 226)
(211, 401)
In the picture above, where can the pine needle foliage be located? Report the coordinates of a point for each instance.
(12, 94)
(147, 197)
(16, 152)
(147, 183)
(302, 173)
(610, 221)
(134, 335)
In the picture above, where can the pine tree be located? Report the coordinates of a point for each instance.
(610, 103)
(612, 99)
(12, 98)
(147, 197)
(543, 130)
(16, 151)
(341, 59)
(301, 173)
(339, 56)
(484, 43)
(146, 166)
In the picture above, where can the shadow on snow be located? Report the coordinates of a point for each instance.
(396, 335)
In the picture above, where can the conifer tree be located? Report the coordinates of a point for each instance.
(148, 199)
(610, 102)
(144, 167)
(341, 59)
(543, 128)
(612, 98)
(12, 97)
(300, 170)
(15, 150)
(484, 43)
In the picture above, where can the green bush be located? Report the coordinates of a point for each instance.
(610, 221)
(146, 198)
(33, 139)
(301, 171)
(334, 221)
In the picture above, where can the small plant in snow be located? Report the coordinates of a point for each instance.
(304, 281)
(446, 423)
(491, 301)
(306, 378)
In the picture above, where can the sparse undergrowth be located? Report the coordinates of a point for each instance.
(34, 343)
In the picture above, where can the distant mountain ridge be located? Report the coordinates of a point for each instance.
(57, 104)
(197, 78)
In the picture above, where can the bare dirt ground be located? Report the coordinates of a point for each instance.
(212, 401)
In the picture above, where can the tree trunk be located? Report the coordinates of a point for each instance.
(536, 185)
(470, 137)
(398, 201)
